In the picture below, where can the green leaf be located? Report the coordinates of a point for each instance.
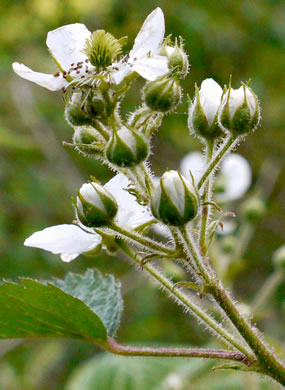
(100, 293)
(81, 306)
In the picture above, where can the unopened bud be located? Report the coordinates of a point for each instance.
(95, 205)
(74, 111)
(127, 148)
(279, 258)
(86, 139)
(240, 111)
(163, 94)
(177, 57)
(203, 113)
(96, 105)
(173, 201)
(253, 209)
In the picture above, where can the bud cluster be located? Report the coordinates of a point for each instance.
(215, 112)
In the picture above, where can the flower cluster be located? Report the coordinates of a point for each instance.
(99, 74)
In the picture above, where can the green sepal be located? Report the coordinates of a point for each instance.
(118, 152)
(163, 94)
(241, 122)
(167, 212)
(76, 116)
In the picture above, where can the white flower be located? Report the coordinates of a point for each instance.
(67, 42)
(143, 57)
(70, 240)
(235, 171)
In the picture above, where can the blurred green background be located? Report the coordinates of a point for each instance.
(38, 177)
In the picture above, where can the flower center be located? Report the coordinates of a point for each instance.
(102, 48)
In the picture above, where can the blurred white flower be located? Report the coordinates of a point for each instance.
(70, 240)
(235, 171)
(173, 382)
(66, 44)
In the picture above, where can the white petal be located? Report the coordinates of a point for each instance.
(151, 68)
(68, 258)
(210, 98)
(90, 195)
(128, 139)
(236, 100)
(150, 36)
(195, 162)
(162, 230)
(66, 44)
(48, 81)
(64, 239)
(251, 101)
(175, 190)
(119, 75)
(130, 213)
(237, 175)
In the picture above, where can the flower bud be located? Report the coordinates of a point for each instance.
(240, 111)
(74, 111)
(126, 148)
(203, 113)
(279, 258)
(86, 136)
(173, 201)
(253, 209)
(95, 205)
(177, 58)
(163, 94)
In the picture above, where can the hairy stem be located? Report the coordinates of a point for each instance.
(206, 208)
(142, 240)
(127, 350)
(267, 360)
(192, 253)
(226, 147)
(186, 301)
